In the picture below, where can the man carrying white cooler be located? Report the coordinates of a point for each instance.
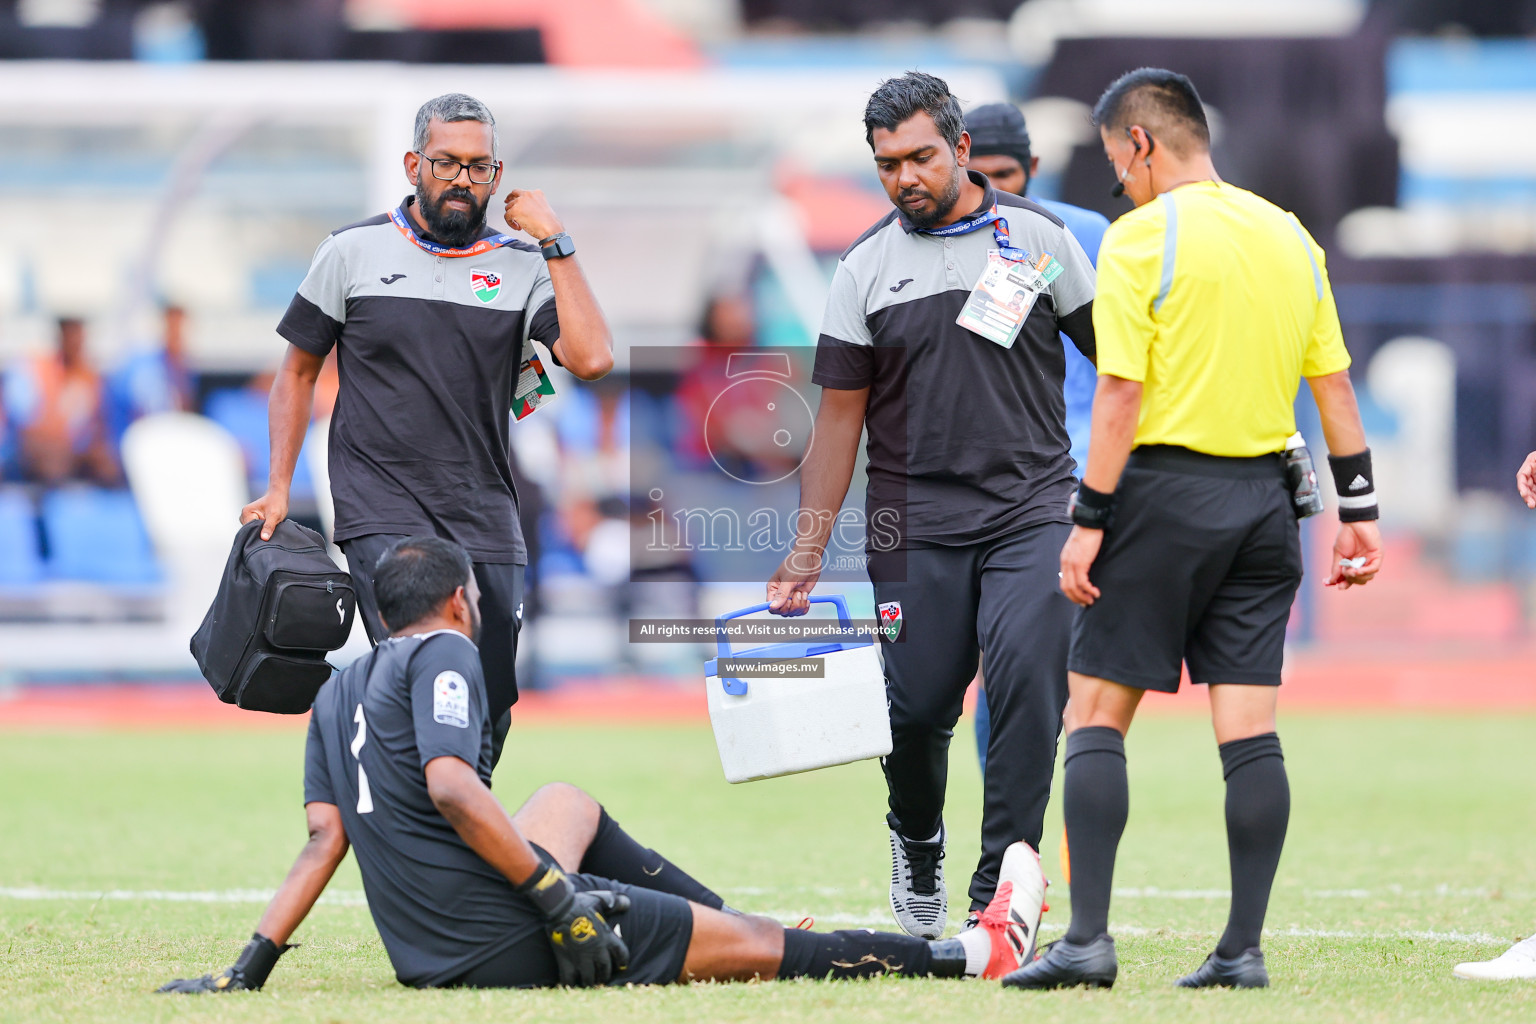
(960, 388)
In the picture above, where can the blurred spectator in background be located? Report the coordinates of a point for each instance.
(158, 380)
(728, 321)
(728, 326)
(56, 403)
(592, 430)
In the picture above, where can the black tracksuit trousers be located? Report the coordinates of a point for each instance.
(1002, 596)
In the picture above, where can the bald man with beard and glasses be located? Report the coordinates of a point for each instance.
(433, 316)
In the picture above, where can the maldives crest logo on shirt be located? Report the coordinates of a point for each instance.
(486, 284)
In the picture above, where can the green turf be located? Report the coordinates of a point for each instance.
(1409, 852)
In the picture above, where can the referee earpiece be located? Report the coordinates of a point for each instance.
(1119, 189)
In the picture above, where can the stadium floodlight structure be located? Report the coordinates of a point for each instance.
(661, 175)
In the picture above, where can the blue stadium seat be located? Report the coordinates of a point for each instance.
(97, 536)
(243, 412)
(1447, 100)
(21, 563)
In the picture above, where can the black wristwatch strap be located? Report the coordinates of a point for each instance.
(557, 246)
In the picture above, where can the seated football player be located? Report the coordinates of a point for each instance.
(397, 767)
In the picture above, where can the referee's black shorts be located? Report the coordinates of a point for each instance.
(1199, 566)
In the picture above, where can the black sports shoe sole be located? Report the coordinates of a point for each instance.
(1054, 983)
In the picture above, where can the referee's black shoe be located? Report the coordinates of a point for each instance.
(1245, 970)
(1065, 964)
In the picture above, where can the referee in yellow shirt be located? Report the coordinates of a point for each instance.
(1212, 304)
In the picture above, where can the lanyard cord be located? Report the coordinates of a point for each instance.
(975, 223)
(484, 245)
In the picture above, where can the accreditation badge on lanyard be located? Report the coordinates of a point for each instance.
(1006, 292)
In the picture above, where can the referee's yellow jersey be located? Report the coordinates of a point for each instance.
(1218, 302)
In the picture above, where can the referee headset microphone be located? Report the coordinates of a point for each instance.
(1119, 189)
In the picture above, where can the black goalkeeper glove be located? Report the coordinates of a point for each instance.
(247, 975)
(585, 945)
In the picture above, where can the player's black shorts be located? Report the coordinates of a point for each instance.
(1200, 565)
(657, 928)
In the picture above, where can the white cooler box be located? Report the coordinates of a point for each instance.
(770, 726)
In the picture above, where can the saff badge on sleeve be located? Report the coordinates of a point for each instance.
(450, 700)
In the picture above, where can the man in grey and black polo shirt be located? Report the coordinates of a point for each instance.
(969, 472)
(432, 315)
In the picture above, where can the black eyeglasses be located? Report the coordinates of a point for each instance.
(448, 170)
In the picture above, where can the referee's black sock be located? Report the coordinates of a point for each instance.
(1095, 800)
(614, 854)
(1258, 809)
(863, 954)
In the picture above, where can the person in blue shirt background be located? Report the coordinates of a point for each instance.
(155, 379)
(1000, 150)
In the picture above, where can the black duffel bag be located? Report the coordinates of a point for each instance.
(281, 606)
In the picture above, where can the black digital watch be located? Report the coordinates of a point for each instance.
(557, 246)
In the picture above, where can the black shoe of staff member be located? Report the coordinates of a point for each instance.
(1066, 965)
(1243, 971)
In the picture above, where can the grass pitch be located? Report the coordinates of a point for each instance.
(129, 859)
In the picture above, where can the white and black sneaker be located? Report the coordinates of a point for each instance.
(918, 898)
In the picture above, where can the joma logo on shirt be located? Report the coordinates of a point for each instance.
(486, 284)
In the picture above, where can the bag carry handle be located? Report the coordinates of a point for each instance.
(738, 687)
(723, 646)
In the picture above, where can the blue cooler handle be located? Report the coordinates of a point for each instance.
(737, 687)
(723, 646)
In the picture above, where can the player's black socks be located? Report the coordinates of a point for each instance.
(1095, 801)
(614, 854)
(1258, 810)
(864, 954)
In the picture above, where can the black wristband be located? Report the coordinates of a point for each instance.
(548, 889)
(1090, 508)
(257, 960)
(1356, 487)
